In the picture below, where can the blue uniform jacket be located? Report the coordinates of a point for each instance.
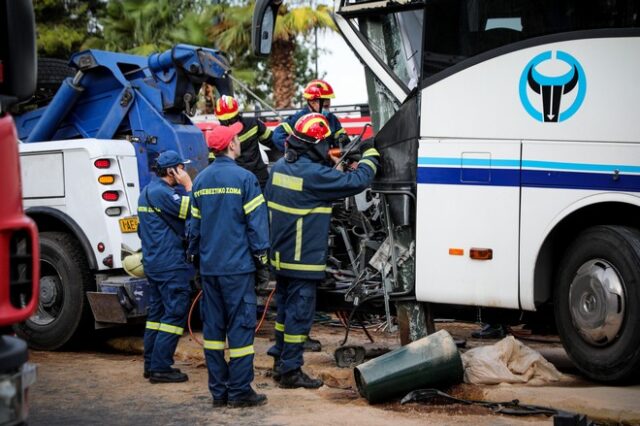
(162, 248)
(285, 128)
(228, 219)
(299, 197)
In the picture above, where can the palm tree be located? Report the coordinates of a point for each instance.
(233, 34)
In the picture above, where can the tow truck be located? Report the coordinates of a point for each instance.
(85, 157)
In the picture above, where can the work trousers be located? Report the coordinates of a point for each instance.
(168, 304)
(229, 311)
(296, 301)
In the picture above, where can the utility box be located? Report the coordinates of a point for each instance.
(135, 291)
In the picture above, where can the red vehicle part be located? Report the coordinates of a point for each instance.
(19, 247)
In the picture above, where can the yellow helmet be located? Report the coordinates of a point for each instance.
(132, 265)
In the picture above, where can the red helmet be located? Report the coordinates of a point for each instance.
(226, 108)
(312, 128)
(318, 89)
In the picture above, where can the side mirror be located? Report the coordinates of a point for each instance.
(17, 52)
(264, 21)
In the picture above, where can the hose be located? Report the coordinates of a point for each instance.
(199, 295)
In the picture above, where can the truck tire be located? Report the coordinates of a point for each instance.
(62, 307)
(51, 74)
(597, 303)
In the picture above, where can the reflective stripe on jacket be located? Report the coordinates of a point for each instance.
(299, 197)
(162, 248)
(228, 219)
(254, 132)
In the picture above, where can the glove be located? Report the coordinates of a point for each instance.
(366, 145)
(261, 259)
(343, 139)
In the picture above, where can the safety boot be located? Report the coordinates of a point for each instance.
(298, 379)
(168, 377)
(312, 345)
(147, 373)
(275, 374)
(219, 403)
(251, 399)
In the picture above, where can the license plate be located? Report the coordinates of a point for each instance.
(129, 224)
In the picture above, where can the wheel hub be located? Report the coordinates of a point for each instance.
(48, 290)
(597, 302)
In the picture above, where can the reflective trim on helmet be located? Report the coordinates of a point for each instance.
(214, 345)
(226, 107)
(368, 163)
(240, 352)
(253, 204)
(184, 208)
(295, 338)
(172, 329)
(251, 132)
(293, 183)
(297, 211)
(195, 212)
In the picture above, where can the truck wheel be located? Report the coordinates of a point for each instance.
(62, 304)
(51, 74)
(597, 303)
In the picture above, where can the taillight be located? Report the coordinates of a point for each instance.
(102, 163)
(110, 195)
(113, 211)
(106, 179)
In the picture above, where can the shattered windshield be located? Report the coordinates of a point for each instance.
(395, 38)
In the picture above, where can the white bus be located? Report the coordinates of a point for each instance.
(515, 127)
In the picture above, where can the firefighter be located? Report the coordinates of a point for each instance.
(299, 194)
(253, 133)
(318, 94)
(162, 211)
(229, 234)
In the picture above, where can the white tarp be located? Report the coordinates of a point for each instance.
(507, 361)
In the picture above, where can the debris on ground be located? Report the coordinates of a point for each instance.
(508, 361)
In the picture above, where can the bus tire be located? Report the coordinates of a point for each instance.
(597, 303)
(62, 305)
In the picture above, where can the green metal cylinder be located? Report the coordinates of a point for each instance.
(429, 362)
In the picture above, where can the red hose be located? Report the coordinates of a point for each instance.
(193, 305)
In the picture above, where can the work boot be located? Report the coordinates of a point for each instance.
(298, 379)
(168, 377)
(274, 371)
(147, 373)
(251, 399)
(312, 345)
(219, 403)
(490, 331)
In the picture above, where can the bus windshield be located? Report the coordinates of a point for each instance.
(434, 35)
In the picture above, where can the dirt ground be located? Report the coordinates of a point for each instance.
(105, 386)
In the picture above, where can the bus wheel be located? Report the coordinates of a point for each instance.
(62, 305)
(597, 303)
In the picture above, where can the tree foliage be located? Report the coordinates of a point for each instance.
(63, 26)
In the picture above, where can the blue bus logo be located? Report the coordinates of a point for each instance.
(548, 92)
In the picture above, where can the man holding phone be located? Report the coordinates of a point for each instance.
(163, 211)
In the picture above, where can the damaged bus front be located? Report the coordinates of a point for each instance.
(511, 165)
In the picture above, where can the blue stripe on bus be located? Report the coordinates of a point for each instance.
(532, 164)
(527, 178)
